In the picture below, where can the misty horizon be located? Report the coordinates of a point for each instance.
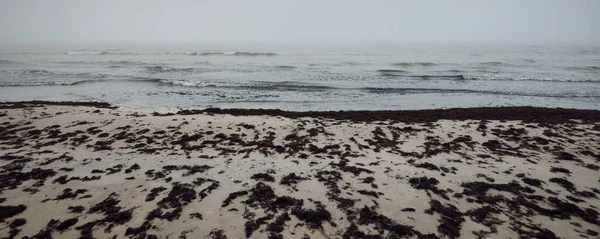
(67, 22)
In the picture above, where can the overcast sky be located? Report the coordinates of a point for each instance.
(130, 21)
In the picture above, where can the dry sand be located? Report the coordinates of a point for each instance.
(83, 172)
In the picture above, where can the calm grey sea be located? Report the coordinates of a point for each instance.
(308, 76)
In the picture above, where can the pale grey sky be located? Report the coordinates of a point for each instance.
(130, 21)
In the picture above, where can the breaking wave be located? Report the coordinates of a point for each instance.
(255, 85)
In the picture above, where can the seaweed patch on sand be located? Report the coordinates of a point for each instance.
(516, 172)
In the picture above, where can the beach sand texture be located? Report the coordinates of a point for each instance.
(93, 172)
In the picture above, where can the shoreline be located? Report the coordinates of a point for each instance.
(90, 170)
(524, 113)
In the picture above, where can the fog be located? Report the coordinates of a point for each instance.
(187, 21)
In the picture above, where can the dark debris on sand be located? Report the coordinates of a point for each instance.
(527, 114)
(450, 220)
(429, 184)
(263, 177)
(40, 103)
(11, 211)
(113, 215)
(516, 203)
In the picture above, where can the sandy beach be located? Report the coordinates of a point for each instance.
(95, 171)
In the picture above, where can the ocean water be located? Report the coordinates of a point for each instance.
(307, 76)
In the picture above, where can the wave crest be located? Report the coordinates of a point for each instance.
(136, 63)
(401, 73)
(388, 72)
(377, 90)
(492, 63)
(232, 53)
(584, 68)
(285, 67)
(93, 53)
(165, 69)
(411, 64)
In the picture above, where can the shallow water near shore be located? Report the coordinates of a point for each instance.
(306, 77)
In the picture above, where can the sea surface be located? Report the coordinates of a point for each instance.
(306, 76)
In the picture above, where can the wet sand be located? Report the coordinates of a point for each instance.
(73, 170)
